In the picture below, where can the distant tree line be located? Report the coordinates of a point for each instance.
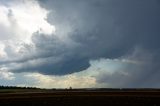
(15, 87)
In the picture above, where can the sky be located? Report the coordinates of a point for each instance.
(80, 43)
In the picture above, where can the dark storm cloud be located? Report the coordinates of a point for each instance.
(109, 24)
(97, 29)
(52, 57)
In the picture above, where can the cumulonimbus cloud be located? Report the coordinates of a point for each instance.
(89, 30)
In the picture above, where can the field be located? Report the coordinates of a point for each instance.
(79, 97)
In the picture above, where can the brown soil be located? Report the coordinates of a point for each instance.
(79, 98)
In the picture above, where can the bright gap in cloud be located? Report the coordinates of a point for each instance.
(6, 75)
(22, 19)
(19, 20)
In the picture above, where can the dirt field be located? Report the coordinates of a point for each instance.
(80, 97)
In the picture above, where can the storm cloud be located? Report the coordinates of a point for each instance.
(89, 30)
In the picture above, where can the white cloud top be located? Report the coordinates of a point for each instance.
(18, 21)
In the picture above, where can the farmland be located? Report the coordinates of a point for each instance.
(77, 97)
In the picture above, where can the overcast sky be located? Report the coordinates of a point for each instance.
(80, 43)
